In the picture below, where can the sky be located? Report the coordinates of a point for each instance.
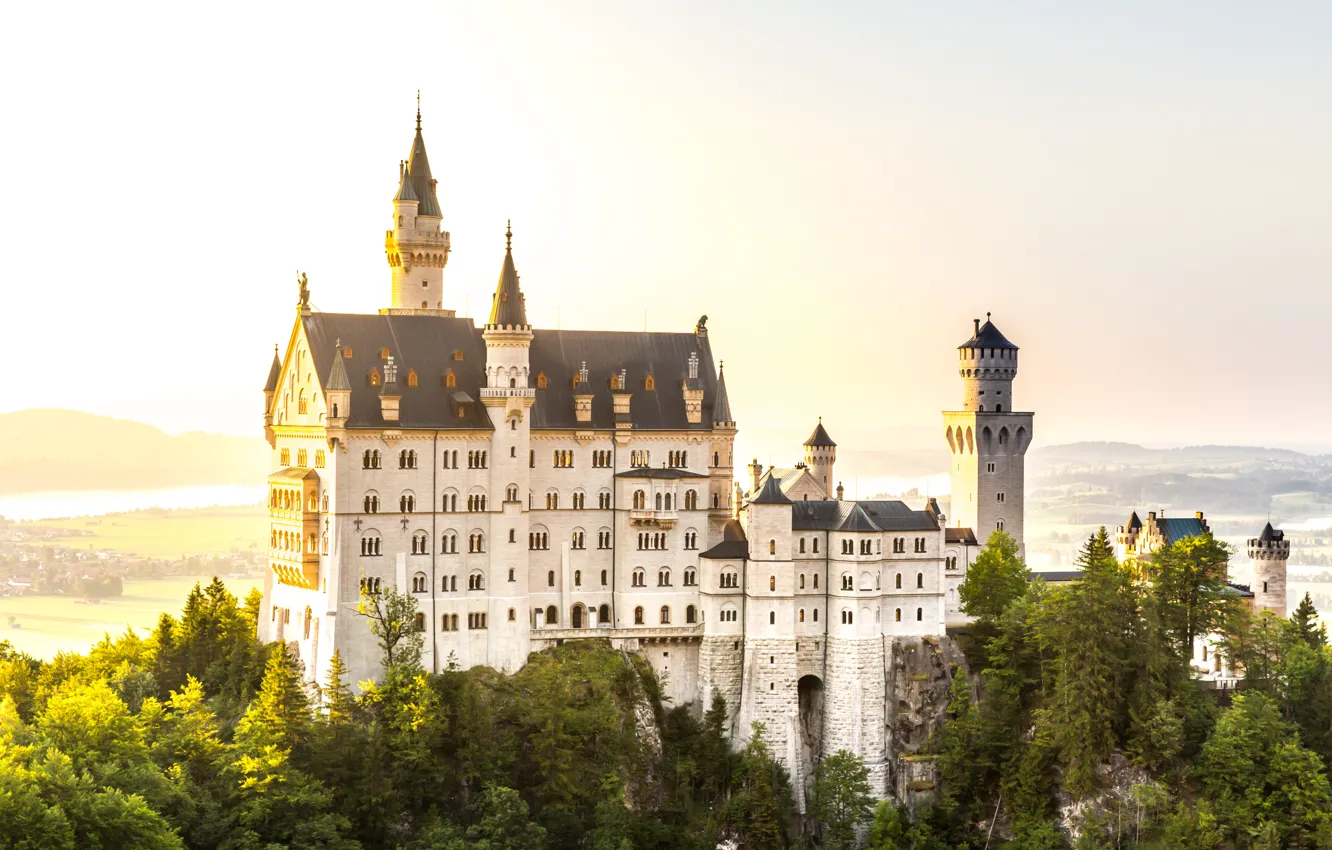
(1140, 193)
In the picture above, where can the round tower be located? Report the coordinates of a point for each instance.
(416, 248)
(820, 455)
(1268, 553)
(987, 363)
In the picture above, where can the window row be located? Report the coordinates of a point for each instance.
(664, 615)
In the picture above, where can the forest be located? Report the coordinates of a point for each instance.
(1077, 724)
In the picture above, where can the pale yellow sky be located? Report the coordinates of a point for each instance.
(1140, 194)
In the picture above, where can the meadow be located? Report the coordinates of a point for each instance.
(44, 625)
(161, 533)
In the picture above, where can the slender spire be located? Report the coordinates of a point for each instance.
(418, 170)
(274, 372)
(507, 307)
(721, 408)
(337, 376)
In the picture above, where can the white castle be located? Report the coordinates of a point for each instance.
(533, 486)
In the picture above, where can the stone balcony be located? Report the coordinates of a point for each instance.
(657, 518)
(508, 392)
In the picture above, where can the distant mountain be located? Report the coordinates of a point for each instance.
(42, 450)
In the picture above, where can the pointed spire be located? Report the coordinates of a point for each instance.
(337, 376)
(405, 190)
(418, 170)
(508, 308)
(274, 372)
(721, 408)
(820, 436)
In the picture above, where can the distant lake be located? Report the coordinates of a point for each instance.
(71, 503)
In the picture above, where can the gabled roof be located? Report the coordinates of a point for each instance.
(1270, 534)
(337, 376)
(820, 436)
(771, 494)
(507, 307)
(418, 170)
(858, 520)
(721, 408)
(987, 336)
(427, 344)
(274, 373)
(829, 514)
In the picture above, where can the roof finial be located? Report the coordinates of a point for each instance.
(987, 315)
(508, 236)
(418, 109)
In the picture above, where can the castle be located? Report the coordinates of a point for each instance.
(531, 486)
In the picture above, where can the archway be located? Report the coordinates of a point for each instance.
(576, 616)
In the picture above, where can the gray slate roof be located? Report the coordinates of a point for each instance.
(1270, 534)
(858, 520)
(649, 472)
(728, 550)
(1177, 528)
(771, 494)
(960, 535)
(830, 514)
(337, 375)
(820, 436)
(427, 344)
(507, 307)
(987, 336)
(418, 169)
(721, 409)
(274, 373)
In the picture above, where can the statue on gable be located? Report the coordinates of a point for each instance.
(304, 284)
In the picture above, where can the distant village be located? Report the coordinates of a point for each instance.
(31, 562)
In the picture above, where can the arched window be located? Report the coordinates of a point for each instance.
(899, 581)
(419, 583)
(658, 501)
(665, 615)
(691, 500)
(802, 545)
(552, 615)
(639, 578)
(640, 500)
(772, 618)
(603, 614)
(550, 578)
(638, 616)
(691, 614)
(920, 579)
(772, 547)
(897, 615)
(802, 581)
(772, 583)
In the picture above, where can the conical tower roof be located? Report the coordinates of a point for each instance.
(771, 494)
(721, 408)
(987, 336)
(820, 436)
(337, 376)
(508, 308)
(418, 170)
(274, 373)
(405, 190)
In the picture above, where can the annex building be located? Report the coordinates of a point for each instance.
(531, 486)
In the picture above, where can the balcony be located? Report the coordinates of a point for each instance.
(508, 392)
(655, 518)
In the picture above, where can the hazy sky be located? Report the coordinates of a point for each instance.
(1140, 192)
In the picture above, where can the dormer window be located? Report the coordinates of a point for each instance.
(450, 379)
(457, 354)
(649, 383)
(541, 380)
(615, 381)
(383, 354)
(375, 380)
(347, 353)
(411, 378)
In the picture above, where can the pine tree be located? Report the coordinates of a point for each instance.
(1305, 625)
(337, 695)
(280, 713)
(1189, 578)
(842, 799)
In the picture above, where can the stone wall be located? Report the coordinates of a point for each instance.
(919, 675)
(720, 667)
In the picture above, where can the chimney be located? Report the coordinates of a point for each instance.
(977, 326)
(582, 395)
(390, 395)
(693, 392)
(840, 491)
(755, 473)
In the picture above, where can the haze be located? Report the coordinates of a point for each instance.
(1139, 192)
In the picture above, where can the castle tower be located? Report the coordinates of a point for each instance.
(416, 248)
(720, 469)
(820, 455)
(987, 438)
(508, 400)
(1268, 552)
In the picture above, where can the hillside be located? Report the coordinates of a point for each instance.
(43, 450)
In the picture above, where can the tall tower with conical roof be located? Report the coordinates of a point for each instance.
(820, 455)
(988, 439)
(416, 247)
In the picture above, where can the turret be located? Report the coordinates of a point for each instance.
(337, 390)
(508, 339)
(987, 363)
(416, 248)
(1268, 552)
(820, 455)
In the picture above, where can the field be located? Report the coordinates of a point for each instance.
(49, 624)
(173, 534)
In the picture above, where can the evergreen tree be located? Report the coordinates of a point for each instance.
(1306, 626)
(280, 713)
(842, 798)
(337, 696)
(504, 823)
